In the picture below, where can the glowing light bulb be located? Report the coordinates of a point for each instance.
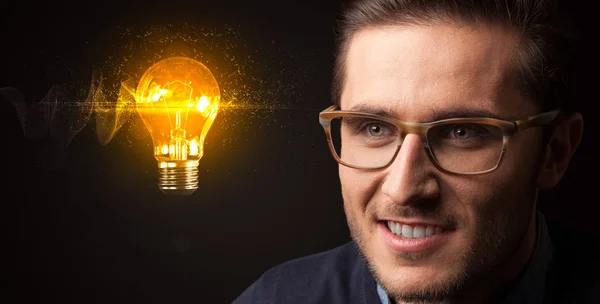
(177, 99)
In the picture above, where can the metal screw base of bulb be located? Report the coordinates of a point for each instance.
(178, 180)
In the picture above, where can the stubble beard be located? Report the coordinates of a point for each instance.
(500, 235)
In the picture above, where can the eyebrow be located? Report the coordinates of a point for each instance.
(371, 109)
(436, 114)
(440, 114)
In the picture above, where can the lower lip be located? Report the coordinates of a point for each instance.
(412, 245)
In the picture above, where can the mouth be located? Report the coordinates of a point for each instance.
(413, 231)
(413, 237)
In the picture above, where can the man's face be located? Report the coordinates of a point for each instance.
(414, 73)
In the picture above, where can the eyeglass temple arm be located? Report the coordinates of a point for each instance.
(329, 109)
(323, 121)
(539, 120)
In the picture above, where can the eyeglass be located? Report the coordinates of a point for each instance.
(456, 145)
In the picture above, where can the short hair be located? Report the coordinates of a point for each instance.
(544, 66)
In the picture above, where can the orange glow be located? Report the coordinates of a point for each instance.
(177, 99)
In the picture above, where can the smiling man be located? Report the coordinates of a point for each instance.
(448, 118)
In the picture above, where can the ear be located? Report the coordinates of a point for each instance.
(560, 148)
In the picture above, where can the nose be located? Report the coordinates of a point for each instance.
(410, 179)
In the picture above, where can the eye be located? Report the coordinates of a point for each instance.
(460, 132)
(375, 129)
(464, 132)
(368, 127)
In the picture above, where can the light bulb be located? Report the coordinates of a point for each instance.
(177, 99)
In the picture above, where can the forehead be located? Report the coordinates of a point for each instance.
(417, 71)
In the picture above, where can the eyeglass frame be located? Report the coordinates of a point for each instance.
(508, 128)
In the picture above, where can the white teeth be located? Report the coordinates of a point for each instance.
(418, 232)
(429, 231)
(394, 227)
(397, 228)
(407, 231)
(415, 232)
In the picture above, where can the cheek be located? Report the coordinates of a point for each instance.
(357, 186)
(523, 155)
(491, 199)
(511, 185)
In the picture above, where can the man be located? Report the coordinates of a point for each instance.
(449, 117)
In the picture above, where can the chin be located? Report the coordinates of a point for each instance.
(424, 284)
(431, 276)
(404, 280)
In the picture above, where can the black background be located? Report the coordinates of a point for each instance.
(92, 227)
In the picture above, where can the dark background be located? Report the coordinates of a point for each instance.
(88, 225)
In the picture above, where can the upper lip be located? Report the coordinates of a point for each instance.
(415, 222)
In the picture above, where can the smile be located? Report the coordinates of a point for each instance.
(414, 237)
(413, 231)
